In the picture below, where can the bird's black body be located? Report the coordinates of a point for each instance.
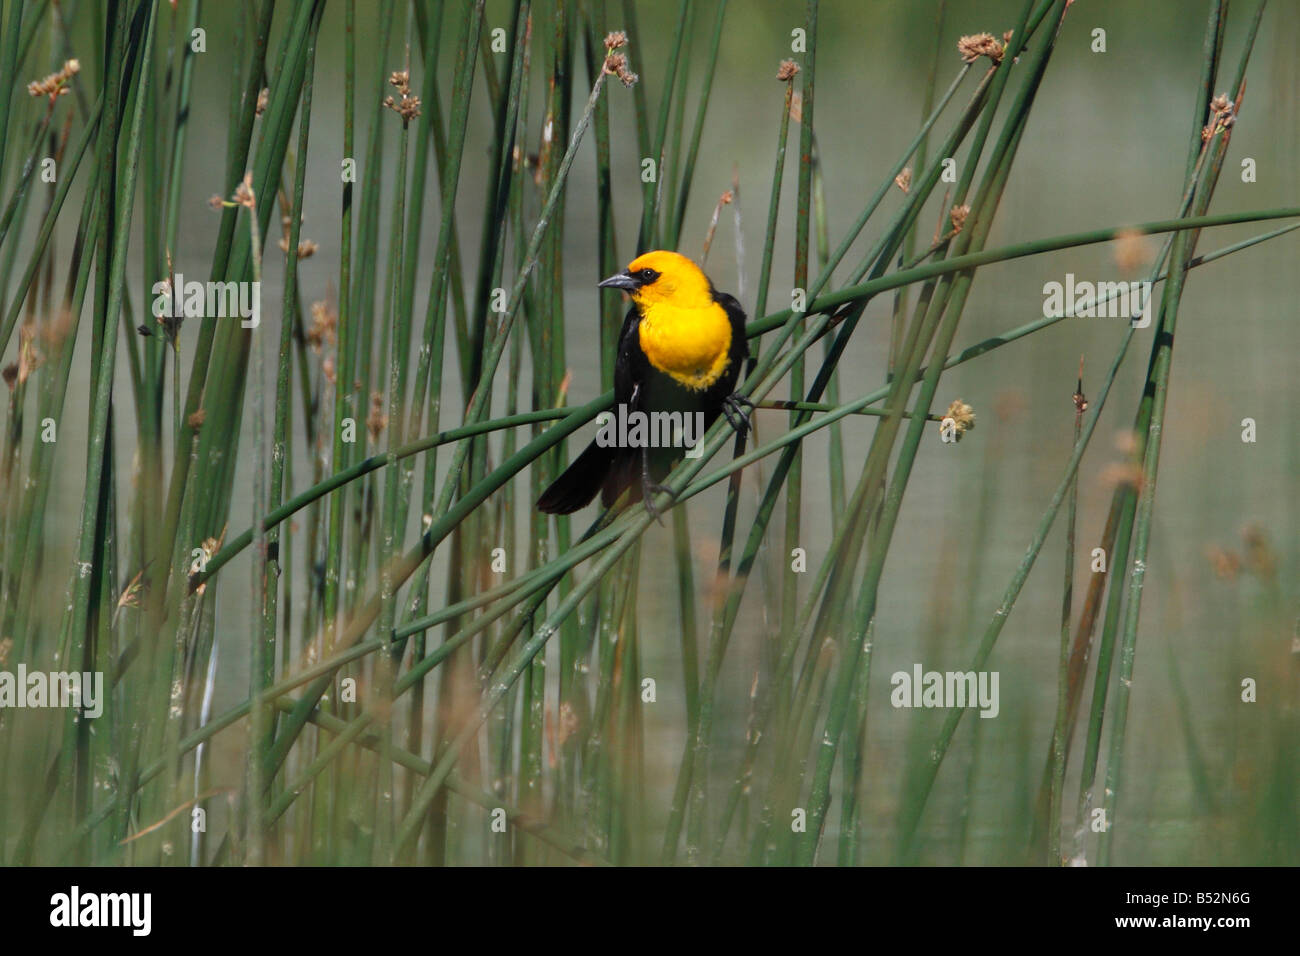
(640, 386)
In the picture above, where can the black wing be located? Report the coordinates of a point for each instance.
(739, 340)
(630, 364)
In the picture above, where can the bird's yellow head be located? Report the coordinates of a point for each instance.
(663, 277)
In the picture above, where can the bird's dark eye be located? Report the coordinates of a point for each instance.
(647, 276)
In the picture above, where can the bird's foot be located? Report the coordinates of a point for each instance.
(736, 408)
(649, 490)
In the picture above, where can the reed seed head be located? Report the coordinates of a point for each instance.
(376, 421)
(1132, 250)
(976, 45)
(1223, 113)
(962, 417)
(244, 195)
(408, 107)
(324, 323)
(55, 84)
(29, 357)
(958, 217)
(616, 65)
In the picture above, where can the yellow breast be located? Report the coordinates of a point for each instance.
(691, 345)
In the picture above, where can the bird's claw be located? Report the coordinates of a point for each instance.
(736, 409)
(648, 491)
(650, 488)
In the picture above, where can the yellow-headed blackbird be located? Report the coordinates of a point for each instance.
(680, 351)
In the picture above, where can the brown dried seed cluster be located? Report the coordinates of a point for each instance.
(787, 71)
(408, 107)
(1132, 250)
(29, 357)
(244, 195)
(958, 218)
(132, 594)
(977, 45)
(376, 421)
(306, 247)
(56, 84)
(962, 416)
(616, 65)
(324, 323)
(171, 324)
(1223, 113)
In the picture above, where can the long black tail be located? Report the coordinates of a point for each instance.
(598, 469)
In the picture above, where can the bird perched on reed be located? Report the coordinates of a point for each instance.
(681, 350)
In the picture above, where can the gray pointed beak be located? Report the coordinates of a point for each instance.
(621, 281)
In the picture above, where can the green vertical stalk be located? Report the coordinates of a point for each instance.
(802, 234)
(241, 137)
(280, 453)
(1063, 665)
(1119, 521)
(394, 516)
(984, 207)
(1158, 382)
(8, 67)
(898, 325)
(446, 518)
(344, 396)
(651, 191)
(114, 234)
(678, 210)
